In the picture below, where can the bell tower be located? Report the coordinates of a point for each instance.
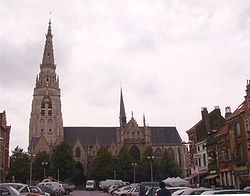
(46, 124)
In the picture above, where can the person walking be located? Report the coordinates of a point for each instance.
(163, 191)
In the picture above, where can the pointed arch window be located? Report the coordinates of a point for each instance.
(78, 152)
(46, 106)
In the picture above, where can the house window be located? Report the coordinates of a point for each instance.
(237, 128)
(204, 159)
(198, 148)
(240, 153)
(199, 162)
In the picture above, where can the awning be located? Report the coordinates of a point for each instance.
(211, 177)
(192, 176)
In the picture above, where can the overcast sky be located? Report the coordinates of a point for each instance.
(171, 57)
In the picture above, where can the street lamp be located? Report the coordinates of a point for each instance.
(134, 165)
(44, 163)
(151, 158)
(31, 166)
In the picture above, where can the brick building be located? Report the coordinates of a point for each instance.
(4, 146)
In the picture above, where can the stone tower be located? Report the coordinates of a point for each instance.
(46, 124)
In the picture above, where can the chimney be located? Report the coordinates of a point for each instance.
(227, 112)
(204, 112)
(205, 118)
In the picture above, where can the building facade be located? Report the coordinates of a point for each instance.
(239, 140)
(46, 125)
(4, 146)
(227, 144)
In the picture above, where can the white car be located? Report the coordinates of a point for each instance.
(123, 191)
(224, 191)
(54, 185)
(247, 189)
(191, 191)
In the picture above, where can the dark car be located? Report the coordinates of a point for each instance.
(145, 186)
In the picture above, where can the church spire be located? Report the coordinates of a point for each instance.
(48, 54)
(122, 112)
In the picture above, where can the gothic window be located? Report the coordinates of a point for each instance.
(158, 153)
(135, 153)
(46, 106)
(170, 152)
(78, 152)
(50, 109)
(43, 108)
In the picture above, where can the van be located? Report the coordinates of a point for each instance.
(90, 185)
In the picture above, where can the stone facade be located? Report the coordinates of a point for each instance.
(46, 125)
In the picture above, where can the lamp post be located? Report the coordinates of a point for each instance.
(134, 165)
(44, 163)
(151, 158)
(31, 166)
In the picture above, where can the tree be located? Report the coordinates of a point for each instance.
(102, 167)
(38, 167)
(124, 168)
(143, 171)
(19, 166)
(78, 177)
(62, 161)
(167, 167)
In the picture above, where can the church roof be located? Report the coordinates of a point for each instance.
(106, 135)
(165, 136)
(90, 135)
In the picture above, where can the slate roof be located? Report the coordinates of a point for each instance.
(90, 135)
(165, 136)
(106, 135)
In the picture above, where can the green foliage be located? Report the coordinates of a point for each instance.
(103, 165)
(143, 171)
(62, 161)
(166, 167)
(78, 177)
(19, 166)
(124, 168)
(41, 162)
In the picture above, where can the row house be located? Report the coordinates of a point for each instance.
(239, 140)
(219, 150)
(4, 146)
(199, 159)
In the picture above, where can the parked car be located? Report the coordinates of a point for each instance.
(144, 186)
(54, 185)
(123, 191)
(191, 191)
(135, 191)
(225, 191)
(36, 191)
(47, 190)
(23, 189)
(67, 188)
(8, 190)
(247, 189)
(152, 191)
(90, 185)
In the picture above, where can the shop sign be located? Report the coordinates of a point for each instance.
(212, 172)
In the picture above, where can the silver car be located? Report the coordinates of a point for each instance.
(8, 190)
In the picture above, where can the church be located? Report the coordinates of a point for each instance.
(46, 124)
